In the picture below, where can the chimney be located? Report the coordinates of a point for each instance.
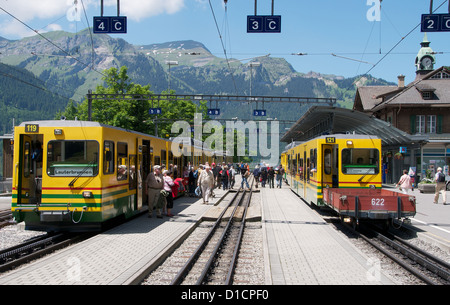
(401, 81)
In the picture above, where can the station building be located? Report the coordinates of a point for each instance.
(413, 120)
(421, 109)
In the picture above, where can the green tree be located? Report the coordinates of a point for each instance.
(131, 112)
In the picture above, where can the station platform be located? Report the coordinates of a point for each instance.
(302, 249)
(299, 246)
(116, 256)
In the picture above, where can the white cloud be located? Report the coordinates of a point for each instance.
(141, 9)
(27, 10)
(43, 11)
(14, 29)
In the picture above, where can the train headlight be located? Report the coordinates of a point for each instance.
(58, 132)
(87, 194)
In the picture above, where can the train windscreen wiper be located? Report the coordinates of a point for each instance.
(82, 172)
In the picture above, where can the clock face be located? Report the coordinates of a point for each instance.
(426, 63)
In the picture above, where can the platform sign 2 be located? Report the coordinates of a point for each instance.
(259, 112)
(435, 23)
(264, 24)
(110, 25)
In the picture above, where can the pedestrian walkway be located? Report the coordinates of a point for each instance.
(301, 248)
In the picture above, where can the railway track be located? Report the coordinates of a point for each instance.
(5, 217)
(421, 264)
(35, 248)
(425, 266)
(212, 258)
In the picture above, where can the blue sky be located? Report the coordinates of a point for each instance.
(319, 28)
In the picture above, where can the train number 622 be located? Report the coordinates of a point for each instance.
(377, 201)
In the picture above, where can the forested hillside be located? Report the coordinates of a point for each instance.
(24, 97)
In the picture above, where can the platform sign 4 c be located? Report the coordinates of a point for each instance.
(110, 25)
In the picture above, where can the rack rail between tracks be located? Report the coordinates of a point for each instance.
(237, 198)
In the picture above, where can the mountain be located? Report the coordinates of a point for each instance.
(25, 97)
(72, 63)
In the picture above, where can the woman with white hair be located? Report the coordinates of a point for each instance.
(206, 183)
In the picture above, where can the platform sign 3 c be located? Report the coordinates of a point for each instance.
(110, 25)
(264, 24)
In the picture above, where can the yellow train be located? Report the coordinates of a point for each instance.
(77, 175)
(335, 161)
(343, 172)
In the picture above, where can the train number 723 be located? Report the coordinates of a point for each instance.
(377, 201)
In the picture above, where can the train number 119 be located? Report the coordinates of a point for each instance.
(31, 128)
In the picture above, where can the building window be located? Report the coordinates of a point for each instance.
(441, 75)
(420, 124)
(431, 124)
(427, 95)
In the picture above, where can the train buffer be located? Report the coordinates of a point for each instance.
(376, 204)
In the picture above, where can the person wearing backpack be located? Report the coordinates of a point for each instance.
(440, 186)
(224, 176)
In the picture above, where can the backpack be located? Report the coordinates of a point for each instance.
(441, 177)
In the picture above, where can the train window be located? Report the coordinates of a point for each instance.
(308, 169)
(27, 159)
(360, 161)
(157, 160)
(108, 157)
(313, 156)
(133, 178)
(122, 161)
(300, 168)
(72, 158)
(163, 157)
(327, 161)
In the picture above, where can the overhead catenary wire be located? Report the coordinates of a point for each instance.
(52, 43)
(223, 46)
(395, 46)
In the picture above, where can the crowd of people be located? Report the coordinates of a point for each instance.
(161, 188)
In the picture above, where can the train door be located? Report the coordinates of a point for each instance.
(327, 166)
(305, 172)
(142, 170)
(29, 170)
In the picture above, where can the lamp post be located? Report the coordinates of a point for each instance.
(170, 63)
(252, 64)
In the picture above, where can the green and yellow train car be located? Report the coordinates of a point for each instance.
(77, 175)
(335, 161)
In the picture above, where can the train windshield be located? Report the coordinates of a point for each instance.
(72, 158)
(360, 161)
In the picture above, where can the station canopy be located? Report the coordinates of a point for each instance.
(321, 120)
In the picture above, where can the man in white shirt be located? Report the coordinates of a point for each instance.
(439, 178)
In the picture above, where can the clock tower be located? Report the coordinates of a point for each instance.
(425, 59)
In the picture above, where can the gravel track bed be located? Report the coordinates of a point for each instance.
(15, 234)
